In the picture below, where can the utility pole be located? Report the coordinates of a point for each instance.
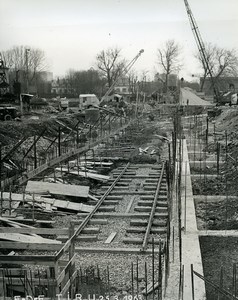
(27, 70)
(0, 167)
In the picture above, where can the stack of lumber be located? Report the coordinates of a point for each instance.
(19, 237)
(44, 203)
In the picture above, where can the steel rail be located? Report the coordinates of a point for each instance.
(152, 213)
(90, 215)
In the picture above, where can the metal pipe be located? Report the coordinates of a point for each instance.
(153, 269)
(146, 282)
(192, 282)
(132, 281)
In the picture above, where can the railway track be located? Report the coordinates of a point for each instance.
(132, 211)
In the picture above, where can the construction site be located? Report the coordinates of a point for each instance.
(138, 202)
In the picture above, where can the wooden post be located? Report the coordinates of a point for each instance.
(59, 146)
(78, 163)
(24, 196)
(207, 132)
(33, 207)
(10, 201)
(220, 283)
(214, 132)
(1, 202)
(72, 244)
(56, 274)
(90, 133)
(71, 254)
(0, 166)
(101, 127)
(109, 128)
(218, 158)
(192, 281)
(77, 139)
(35, 154)
(54, 176)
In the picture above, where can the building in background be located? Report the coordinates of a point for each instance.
(60, 87)
(225, 84)
(172, 82)
(123, 86)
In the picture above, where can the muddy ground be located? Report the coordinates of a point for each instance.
(216, 186)
(219, 215)
(217, 253)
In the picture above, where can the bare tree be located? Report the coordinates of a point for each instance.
(86, 81)
(133, 80)
(30, 61)
(169, 60)
(37, 62)
(223, 62)
(109, 63)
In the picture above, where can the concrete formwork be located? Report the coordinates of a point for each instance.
(191, 253)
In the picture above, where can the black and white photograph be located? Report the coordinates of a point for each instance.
(118, 150)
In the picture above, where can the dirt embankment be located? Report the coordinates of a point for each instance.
(219, 260)
(226, 125)
(12, 131)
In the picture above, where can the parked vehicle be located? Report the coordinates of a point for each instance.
(8, 113)
(87, 101)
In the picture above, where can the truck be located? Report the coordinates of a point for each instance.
(82, 103)
(88, 100)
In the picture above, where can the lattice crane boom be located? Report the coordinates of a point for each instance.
(123, 72)
(4, 85)
(201, 48)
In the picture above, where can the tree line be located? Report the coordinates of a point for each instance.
(109, 64)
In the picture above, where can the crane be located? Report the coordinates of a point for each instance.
(123, 72)
(4, 85)
(202, 50)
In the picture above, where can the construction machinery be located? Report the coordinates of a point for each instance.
(8, 113)
(123, 72)
(219, 97)
(4, 85)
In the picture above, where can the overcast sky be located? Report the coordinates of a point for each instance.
(72, 32)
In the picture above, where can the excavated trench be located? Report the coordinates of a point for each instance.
(216, 204)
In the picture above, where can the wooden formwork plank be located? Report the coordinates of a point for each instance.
(150, 203)
(40, 187)
(135, 240)
(130, 204)
(110, 238)
(68, 284)
(110, 197)
(90, 175)
(42, 231)
(106, 208)
(148, 209)
(81, 238)
(145, 222)
(155, 230)
(30, 246)
(45, 260)
(45, 222)
(19, 281)
(93, 222)
(61, 276)
(18, 237)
